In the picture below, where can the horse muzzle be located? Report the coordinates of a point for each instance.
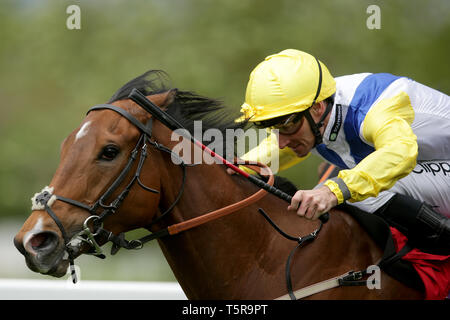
(44, 253)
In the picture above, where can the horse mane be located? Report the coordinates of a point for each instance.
(151, 82)
(187, 107)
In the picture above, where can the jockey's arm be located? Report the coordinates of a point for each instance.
(387, 126)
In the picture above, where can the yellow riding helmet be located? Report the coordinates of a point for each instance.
(285, 83)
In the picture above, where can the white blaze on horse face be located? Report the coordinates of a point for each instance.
(83, 131)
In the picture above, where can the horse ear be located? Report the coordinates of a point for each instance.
(163, 99)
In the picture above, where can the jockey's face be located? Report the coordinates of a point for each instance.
(302, 141)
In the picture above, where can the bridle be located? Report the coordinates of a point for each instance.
(99, 211)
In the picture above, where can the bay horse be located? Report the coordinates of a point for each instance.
(239, 256)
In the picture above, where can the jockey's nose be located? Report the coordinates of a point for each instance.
(283, 141)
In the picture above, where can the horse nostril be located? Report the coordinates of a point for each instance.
(43, 241)
(19, 245)
(38, 240)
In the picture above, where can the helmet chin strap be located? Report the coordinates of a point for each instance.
(315, 127)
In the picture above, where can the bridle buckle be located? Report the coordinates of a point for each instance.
(90, 237)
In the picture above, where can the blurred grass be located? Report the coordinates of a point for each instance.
(50, 76)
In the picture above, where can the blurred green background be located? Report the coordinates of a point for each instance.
(50, 76)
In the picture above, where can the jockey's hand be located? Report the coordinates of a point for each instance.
(313, 203)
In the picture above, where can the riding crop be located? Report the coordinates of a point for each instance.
(173, 124)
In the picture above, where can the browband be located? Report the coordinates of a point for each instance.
(125, 114)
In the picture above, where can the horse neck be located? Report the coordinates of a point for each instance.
(235, 242)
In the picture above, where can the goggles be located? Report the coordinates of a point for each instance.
(285, 125)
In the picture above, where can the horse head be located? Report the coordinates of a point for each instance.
(95, 176)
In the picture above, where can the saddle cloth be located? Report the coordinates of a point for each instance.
(434, 270)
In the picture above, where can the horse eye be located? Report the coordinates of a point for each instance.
(108, 153)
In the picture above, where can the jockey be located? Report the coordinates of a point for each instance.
(390, 136)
